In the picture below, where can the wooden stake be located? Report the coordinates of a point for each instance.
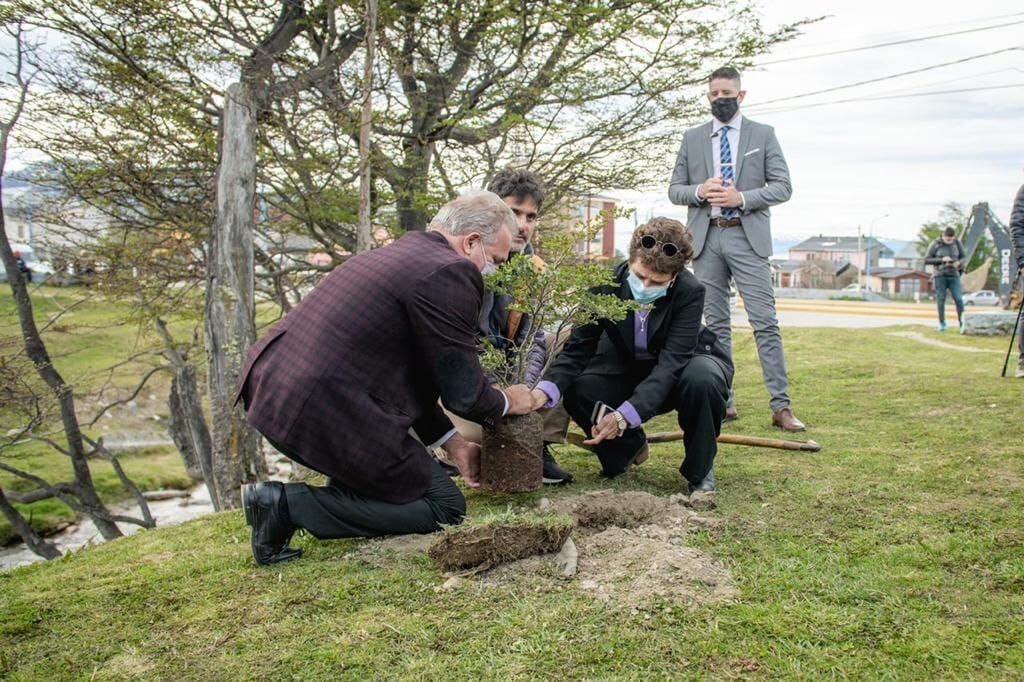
(731, 439)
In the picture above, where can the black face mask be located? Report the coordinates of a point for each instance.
(725, 108)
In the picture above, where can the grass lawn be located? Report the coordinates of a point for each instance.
(896, 552)
(84, 343)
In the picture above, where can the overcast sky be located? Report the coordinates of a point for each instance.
(853, 163)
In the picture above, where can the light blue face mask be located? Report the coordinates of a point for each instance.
(645, 295)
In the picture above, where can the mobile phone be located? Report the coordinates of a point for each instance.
(599, 413)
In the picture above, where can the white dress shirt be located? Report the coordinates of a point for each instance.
(716, 153)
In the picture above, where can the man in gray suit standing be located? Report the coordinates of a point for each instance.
(728, 173)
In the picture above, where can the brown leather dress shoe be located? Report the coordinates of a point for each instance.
(731, 414)
(785, 420)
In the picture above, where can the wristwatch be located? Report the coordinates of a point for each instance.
(621, 421)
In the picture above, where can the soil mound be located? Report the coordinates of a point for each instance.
(496, 543)
(604, 508)
(650, 564)
(631, 549)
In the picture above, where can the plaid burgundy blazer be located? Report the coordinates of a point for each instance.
(339, 381)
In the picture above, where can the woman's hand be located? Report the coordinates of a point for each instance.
(540, 398)
(606, 429)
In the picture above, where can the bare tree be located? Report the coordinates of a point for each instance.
(252, 115)
(80, 494)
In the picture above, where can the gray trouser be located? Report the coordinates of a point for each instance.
(727, 253)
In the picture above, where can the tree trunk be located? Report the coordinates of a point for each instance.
(22, 527)
(413, 187)
(188, 424)
(364, 237)
(230, 305)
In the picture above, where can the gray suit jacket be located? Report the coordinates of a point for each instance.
(762, 176)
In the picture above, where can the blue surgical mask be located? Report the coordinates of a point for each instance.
(642, 294)
(489, 268)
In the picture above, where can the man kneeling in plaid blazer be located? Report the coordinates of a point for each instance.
(343, 382)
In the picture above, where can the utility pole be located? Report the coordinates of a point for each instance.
(364, 233)
(871, 238)
(860, 271)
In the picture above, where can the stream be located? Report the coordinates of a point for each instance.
(184, 506)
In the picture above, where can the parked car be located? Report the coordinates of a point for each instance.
(983, 297)
(857, 288)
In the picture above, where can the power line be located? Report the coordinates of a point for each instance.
(885, 78)
(884, 97)
(905, 41)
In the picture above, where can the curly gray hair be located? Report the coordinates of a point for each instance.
(478, 211)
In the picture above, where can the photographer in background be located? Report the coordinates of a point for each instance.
(1017, 232)
(23, 268)
(948, 256)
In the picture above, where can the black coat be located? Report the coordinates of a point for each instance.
(674, 335)
(1017, 226)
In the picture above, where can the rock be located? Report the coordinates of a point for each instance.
(568, 559)
(453, 583)
(153, 495)
(702, 501)
(544, 504)
(989, 323)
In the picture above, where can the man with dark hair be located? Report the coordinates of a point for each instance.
(1017, 232)
(729, 172)
(524, 194)
(947, 255)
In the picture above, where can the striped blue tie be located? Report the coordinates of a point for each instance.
(727, 173)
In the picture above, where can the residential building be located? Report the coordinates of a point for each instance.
(901, 282)
(586, 209)
(805, 274)
(907, 257)
(861, 252)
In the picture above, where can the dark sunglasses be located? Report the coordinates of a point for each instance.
(668, 248)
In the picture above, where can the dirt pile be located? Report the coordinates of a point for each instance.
(631, 552)
(604, 508)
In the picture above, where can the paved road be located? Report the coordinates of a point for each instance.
(851, 314)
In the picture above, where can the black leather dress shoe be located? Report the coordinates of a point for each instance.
(554, 474)
(271, 530)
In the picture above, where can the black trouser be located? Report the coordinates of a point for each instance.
(334, 511)
(699, 400)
